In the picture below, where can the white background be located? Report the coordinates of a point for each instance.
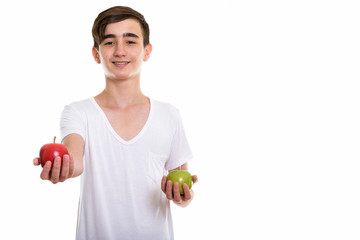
(268, 91)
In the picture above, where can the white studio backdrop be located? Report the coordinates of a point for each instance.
(269, 95)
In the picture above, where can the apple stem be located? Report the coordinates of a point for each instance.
(54, 139)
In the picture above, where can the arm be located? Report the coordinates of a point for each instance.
(72, 165)
(75, 145)
(180, 200)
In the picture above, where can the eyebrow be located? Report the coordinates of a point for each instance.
(124, 35)
(130, 35)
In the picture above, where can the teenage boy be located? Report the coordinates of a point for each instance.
(122, 142)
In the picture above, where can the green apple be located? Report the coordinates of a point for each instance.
(181, 177)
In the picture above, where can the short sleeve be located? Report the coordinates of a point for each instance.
(72, 121)
(180, 149)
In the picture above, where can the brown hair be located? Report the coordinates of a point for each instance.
(118, 14)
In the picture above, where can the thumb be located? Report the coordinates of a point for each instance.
(36, 161)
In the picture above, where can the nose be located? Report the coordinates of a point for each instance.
(120, 50)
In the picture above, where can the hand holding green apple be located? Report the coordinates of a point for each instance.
(177, 187)
(181, 177)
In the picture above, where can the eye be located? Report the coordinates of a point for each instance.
(109, 43)
(131, 42)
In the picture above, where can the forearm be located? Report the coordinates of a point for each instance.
(75, 145)
(78, 168)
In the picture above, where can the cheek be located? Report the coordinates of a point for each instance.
(136, 54)
(103, 55)
(102, 59)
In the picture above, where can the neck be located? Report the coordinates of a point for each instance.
(121, 93)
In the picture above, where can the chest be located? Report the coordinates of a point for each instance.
(129, 122)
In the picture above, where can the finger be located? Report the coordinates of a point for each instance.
(55, 171)
(65, 168)
(45, 173)
(163, 184)
(169, 193)
(71, 165)
(177, 196)
(187, 194)
(36, 161)
(195, 179)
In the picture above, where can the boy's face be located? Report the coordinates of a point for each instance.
(121, 53)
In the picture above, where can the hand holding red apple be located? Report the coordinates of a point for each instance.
(50, 151)
(57, 163)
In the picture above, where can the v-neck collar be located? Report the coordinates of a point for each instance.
(112, 130)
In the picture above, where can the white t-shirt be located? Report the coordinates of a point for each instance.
(120, 196)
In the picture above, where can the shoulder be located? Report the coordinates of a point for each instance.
(80, 104)
(81, 107)
(164, 108)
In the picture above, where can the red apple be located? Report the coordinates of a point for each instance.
(49, 151)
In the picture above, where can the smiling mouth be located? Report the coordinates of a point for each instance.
(120, 63)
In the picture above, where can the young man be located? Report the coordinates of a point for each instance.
(121, 142)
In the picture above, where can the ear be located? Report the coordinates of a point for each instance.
(148, 50)
(96, 55)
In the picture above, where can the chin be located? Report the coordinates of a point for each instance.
(119, 77)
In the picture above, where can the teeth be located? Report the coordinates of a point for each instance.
(120, 63)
